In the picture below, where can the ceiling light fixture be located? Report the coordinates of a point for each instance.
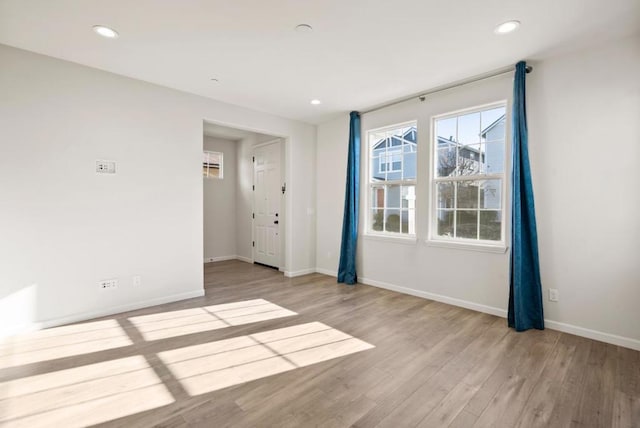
(107, 32)
(304, 28)
(507, 27)
(316, 102)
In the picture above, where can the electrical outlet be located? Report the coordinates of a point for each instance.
(137, 280)
(105, 167)
(107, 284)
(553, 295)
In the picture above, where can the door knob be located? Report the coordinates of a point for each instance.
(275, 222)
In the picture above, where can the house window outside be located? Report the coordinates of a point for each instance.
(468, 176)
(392, 180)
(212, 165)
(391, 161)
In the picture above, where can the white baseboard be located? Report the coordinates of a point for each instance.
(437, 297)
(223, 258)
(219, 259)
(292, 274)
(102, 312)
(625, 342)
(613, 339)
(327, 272)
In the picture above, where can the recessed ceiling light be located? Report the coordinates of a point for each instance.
(316, 102)
(304, 28)
(107, 32)
(507, 27)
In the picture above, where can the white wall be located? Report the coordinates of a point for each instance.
(301, 186)
(584, 127)
(584, 132)
(244, 198)
(220, 203)
(331, 166)
(63, 228)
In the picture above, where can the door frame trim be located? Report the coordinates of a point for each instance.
(266, 143)
(286, 169)
(283, 204)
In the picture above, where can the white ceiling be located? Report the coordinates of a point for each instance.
(361, 53)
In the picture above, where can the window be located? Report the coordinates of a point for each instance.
(391, 161)
(212, 165)
(392, 179)
(468, 176)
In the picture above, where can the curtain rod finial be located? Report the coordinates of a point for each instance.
(528, 69)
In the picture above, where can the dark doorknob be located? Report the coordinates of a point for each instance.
(275, 222)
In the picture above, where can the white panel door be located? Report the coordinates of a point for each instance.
(266, 204)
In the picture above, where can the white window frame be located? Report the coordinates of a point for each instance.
(385, 235)
(220, 169)
(433, 239)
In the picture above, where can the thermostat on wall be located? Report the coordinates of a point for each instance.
(105, 167)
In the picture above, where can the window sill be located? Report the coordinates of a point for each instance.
(484, 248)
(407, 240)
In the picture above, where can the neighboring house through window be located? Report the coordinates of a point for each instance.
(391, 161)
(468, 176)
(392, 179)
(212, 165)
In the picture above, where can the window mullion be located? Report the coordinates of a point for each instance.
(384, 211)
(401, 162)
(455, 210)
(468, 177)
(400, 182)
(456, 170)
(386, 158)
(478, 214)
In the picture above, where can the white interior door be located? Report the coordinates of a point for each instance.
(266, 204)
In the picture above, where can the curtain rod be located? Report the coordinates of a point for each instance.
(422, 96)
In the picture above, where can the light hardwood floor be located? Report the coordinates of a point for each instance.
(261, 350)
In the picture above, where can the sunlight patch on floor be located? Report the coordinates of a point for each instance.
(215, 365)
(187, 321)
(83, 395)
(61, 342)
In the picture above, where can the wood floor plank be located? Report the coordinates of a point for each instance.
(538, 408)
(572, 386)
(426, 364)
(597, 409)
(490, 347)
(626, 400)
(515, 346)
(506, 406)
(431, 395)
(413, 376)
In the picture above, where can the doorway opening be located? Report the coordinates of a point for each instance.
(267, 206)
(244, 196)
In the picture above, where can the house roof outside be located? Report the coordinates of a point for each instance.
(493, 125)
(409, 136)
